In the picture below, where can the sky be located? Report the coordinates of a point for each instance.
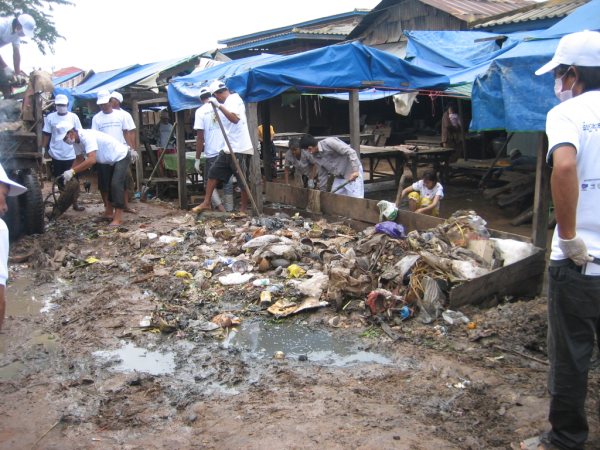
(109, 34)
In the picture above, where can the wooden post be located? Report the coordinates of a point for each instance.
(254, 177)
(461, 115)
(354, 111)
(267, 139)
(181, 172)
(139, 165)
(541, 199)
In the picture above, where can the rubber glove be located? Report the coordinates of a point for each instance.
(575, 249)
(68, 175)
(214, 102)
(20, 80)
(134, 155)
(197, 165)
(311, 184)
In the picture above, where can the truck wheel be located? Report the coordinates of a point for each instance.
(32, 205)
(13, 218)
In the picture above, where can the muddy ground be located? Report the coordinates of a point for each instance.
(343, 382)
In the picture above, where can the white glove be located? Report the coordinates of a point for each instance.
(20, 80)
(311, 183)
(214, 102)
(68, 175)
(134, 155)
(575, 249)
(197, 165)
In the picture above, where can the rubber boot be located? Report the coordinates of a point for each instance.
(228, 202)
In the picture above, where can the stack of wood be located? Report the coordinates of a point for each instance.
(517, 192)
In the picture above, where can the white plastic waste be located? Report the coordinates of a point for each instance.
(235, 278)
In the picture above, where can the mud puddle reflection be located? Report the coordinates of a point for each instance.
(297, 340)
(130, 358)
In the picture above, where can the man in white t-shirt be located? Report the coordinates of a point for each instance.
(12, 30)
(62, 154)
(7, 188)
(114, 123)
(209, 139)
(101, 148)
(232, 112)
(115, 101)
(573, 129)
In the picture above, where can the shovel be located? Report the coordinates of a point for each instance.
(146, 186)
(235, 163)
(344, 184)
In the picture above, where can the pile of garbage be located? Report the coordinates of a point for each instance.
(283, 265)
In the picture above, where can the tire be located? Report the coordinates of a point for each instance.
(32, 204)
(12, 218)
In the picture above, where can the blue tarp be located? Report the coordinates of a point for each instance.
(366, 95)
(100, 78)
(510, 96)
(336, 67)
(59, 80)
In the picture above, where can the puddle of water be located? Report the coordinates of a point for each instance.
(21, 300)
(12, 371)
(295, 339)
(130, 358)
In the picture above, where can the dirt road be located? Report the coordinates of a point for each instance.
(87, 372)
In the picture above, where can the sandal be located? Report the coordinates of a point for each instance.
(535, 443)
(130, 211)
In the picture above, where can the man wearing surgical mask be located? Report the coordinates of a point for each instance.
(573, 129)
(62, 154)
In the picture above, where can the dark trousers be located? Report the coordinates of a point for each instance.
(58, 168)
(118, 182)
(573, 324)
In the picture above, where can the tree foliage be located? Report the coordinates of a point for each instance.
(42, 11)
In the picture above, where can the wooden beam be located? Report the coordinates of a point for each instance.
(254, 176)
(541, 199)
(181, 172)
(354, 119)
(267, 139)
(139, 164)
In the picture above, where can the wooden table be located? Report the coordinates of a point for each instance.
(394, 155)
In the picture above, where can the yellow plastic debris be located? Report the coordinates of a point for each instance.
(183, 274)
(295, 271)
(91, 260)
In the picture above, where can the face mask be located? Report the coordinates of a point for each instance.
(61, 109)
(69, 141)
(560, 94)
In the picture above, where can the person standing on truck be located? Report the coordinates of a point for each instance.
(101, 148)
(12, 30)
(62, 154)
(334, 157)
(573, 129)
(7, 188)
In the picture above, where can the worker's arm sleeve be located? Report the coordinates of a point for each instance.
(3, 253)
(561, 131)
(323, 176)
(344, 149)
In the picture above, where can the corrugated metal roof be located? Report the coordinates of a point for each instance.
(470, 10)
(540, 11)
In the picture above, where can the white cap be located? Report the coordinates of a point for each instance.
(61, 99)
(62, 128)
(204, 90)
(117, 95)
(28, 24)
(103, 97)
(575, 49)
(14, 188)
(216, 86)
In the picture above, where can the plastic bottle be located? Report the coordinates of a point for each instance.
(265, 298)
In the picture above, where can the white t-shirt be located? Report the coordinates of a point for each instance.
(108, 149)
(112, 124)
(577, 122)
(6, 34)
(129, 123)
(3, 253)
(205, 119)
(424, 192)
(59, 149)
(238, 133)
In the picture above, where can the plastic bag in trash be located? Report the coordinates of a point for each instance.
(433, 301)
(392, 229)
(387, 210)
(454, 317)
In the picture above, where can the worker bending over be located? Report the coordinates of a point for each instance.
(424, 196)
(303, 164)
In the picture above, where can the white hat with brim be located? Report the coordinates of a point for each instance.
(62, 128)
(28, 24)
(204, 90)
(14, 189)
(216, 86)
(103, 97)
(575, 49)
(61, 99)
